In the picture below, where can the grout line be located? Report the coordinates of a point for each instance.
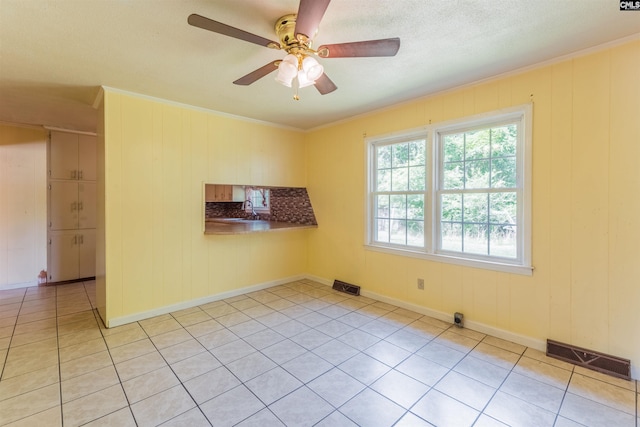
(59, 360)
(304, 295)
(174, 372)
(13, 331)
(97, 325)
(113, 364)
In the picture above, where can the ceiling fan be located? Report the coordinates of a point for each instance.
(299, 68)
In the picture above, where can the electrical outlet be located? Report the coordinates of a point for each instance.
(458, 320)
(421, 284)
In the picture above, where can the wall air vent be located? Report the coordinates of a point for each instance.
(346, 287)
(589, 359)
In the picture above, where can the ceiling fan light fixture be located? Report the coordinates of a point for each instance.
(304, 80)
(284, 82)
(292, 59)
(287, 70)
(299, 71)
(312, 68)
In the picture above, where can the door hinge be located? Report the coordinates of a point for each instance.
(49, 241)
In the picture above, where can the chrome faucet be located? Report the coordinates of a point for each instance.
(254, 215)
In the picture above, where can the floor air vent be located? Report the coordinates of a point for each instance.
(346, 287)
(600, 362)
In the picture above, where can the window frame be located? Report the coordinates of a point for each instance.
(433, 133)
(411, 136)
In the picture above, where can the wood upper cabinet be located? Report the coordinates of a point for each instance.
(72, 156)
(223, 193)
(209, 193)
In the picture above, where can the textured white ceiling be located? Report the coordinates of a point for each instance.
(54, 54)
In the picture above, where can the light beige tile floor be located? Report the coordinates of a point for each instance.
(299, 354)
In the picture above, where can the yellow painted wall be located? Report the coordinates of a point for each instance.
(23, 205)
(585, 289)
(156, 157)
(101, 285)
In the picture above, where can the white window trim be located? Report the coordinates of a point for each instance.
(417, 133)
(521, 266)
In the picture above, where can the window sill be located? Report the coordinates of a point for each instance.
(447, 259)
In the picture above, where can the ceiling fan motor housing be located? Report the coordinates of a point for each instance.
(285, 29)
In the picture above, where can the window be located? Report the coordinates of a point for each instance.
(400, 190)
(257, 200)
(457, 192)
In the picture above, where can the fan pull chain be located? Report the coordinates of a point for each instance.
(296, 81)
(296, 86)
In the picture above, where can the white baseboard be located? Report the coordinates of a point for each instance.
(123, 320)
(468, 324)
(448, 317)
(319, 279)
(527, 341)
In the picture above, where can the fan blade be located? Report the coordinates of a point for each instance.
(257, 74)
(310, 13)
(382, 47)
(325, 85)
(227, 30)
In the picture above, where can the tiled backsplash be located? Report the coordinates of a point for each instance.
(224, 210)
(287, 205)
(292, 205)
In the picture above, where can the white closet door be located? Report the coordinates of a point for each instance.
(63, 256)
(63, 196)
(87, 160)
(63, 160)
(87, 205)
(87, 253)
